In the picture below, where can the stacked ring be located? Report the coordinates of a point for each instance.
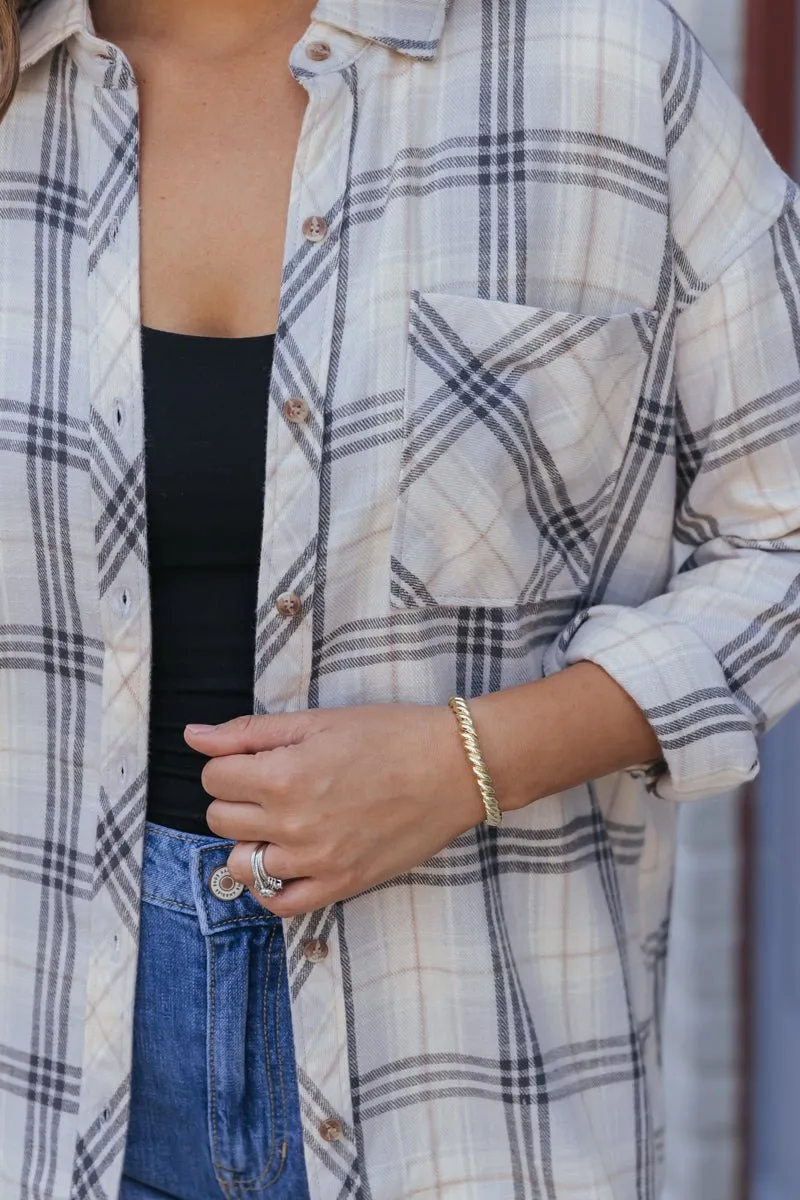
(266, 885)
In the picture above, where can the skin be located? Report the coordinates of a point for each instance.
(220, 118)
(349, 797)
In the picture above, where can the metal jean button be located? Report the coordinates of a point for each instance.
(224, 886)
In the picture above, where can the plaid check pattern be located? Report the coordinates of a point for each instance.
(551, 353)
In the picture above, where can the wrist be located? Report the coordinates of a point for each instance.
(500, 750)
(458, 780)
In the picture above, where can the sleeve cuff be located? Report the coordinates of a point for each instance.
(707, 739)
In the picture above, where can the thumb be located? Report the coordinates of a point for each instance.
(248, 735)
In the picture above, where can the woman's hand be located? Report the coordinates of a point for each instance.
(351, 797)
(347, 798)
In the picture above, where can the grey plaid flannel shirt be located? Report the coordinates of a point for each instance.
(550, 348)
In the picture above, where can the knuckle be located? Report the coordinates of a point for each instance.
(341, 854)
(280, 788)
(240, 872)
(296, 829)
(208, 776)
(239, 865)
(280, 780)
(349, 881)
(316, 862)
(214, 818)
(245, 724)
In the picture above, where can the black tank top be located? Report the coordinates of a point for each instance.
(205, 433)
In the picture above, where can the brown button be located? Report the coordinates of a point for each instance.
(318, 51)
(331, 1130)
(315, 229)
(289, 604)
(295, 410)
(224, 886)
(315, 950)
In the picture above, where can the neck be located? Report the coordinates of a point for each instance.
(200, 23)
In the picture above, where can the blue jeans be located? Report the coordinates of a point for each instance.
(215, 1108)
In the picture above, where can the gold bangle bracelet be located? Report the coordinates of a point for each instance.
(469, 737)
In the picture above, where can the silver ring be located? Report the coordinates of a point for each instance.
(266, 885)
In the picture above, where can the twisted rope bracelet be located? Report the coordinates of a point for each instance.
(469, 737)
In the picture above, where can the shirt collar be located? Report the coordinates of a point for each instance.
(45, 24)
(412, 27)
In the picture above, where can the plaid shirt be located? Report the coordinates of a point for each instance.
(550, 351)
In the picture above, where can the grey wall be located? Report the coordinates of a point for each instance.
(776, 1097)
(777, 1087)
(702, 1043)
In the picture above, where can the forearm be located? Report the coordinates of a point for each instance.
(544, 737)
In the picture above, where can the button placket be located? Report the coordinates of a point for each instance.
(121, 600)
(292, 494)
(291, 497)
(116, 449)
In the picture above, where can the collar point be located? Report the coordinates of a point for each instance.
(410, 27)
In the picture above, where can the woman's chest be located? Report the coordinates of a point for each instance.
(473, 339)
(217, 149)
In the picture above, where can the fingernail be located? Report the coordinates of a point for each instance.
(200, 728)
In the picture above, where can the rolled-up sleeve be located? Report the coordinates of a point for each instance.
(715, 659)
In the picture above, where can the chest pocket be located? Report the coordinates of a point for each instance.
(516, 424)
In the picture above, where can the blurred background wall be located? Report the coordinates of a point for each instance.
(705, 1015)
(720, 25)
(775, 1083)
(732, 1022)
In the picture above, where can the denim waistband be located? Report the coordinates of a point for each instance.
(176, 874)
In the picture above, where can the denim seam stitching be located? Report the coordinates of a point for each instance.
(165, 900)
(258, 1183)
(191, 838)
(278, 1009)
(254, 920)
(255, 1182)
(212, 1072)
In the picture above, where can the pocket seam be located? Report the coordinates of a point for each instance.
(507, 305)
